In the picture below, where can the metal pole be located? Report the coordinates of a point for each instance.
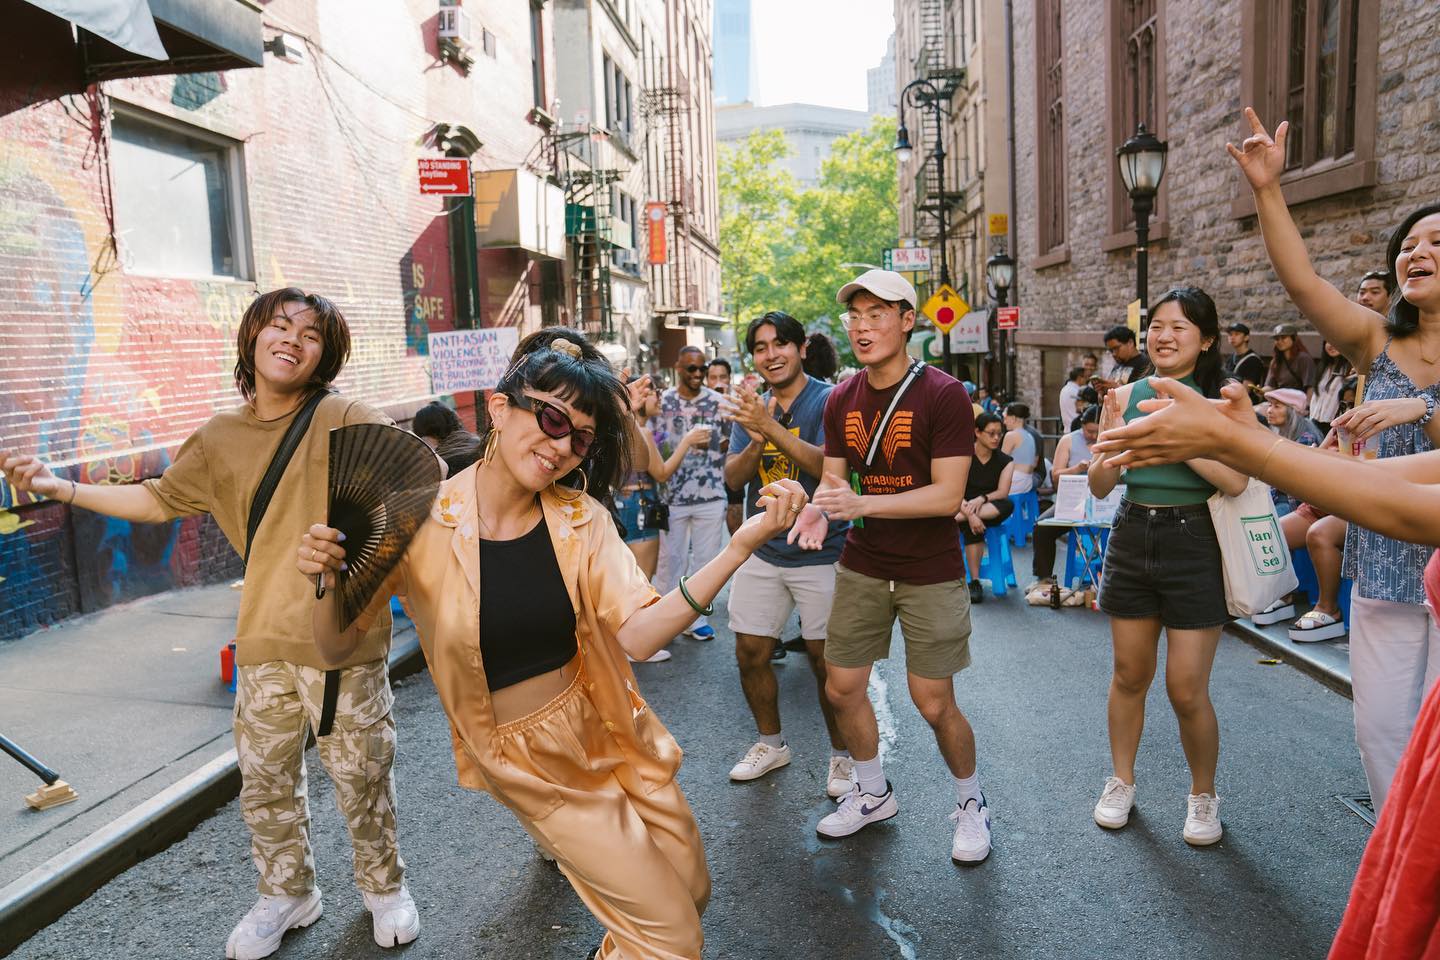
(944, 254)
(27, 761)
(1143, 205)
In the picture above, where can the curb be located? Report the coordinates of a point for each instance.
(43, 895)
(1304, 657)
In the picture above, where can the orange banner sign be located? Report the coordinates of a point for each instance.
(655, 217)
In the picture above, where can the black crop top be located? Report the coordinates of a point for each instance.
(527, 626)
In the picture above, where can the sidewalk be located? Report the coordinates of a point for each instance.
(1327, 661)
(126, 705)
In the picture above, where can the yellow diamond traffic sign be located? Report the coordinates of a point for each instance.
(945, 308)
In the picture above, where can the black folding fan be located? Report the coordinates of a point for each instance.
(382, 483)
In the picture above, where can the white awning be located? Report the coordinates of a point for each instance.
(126, 23)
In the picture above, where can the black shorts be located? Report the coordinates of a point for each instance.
(1164, 562)
(1006, 507)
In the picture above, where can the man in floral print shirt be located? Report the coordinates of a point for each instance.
(696, 490)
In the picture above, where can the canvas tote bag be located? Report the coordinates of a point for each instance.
(1254, 556)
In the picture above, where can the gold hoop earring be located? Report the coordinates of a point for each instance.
(491, 442)
(584, 486)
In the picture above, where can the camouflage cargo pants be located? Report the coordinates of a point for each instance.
(276, 704)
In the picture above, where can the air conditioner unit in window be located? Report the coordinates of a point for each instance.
(454, 25)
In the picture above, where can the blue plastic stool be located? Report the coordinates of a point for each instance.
(1076, 569)
(1021, 522)
(1305, 573)
(997, 565)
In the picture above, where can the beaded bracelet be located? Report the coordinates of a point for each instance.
(703, 611)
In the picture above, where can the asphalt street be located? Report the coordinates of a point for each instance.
(1055, 886)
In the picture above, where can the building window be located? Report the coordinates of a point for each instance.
(179, 199)
(1313, 62)
(487, 43)
(1135, 83)
(537, 53)
(1050, 141)
(619, 97)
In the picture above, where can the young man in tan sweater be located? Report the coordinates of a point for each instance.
(290, 344)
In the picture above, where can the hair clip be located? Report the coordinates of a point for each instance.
(570, 348)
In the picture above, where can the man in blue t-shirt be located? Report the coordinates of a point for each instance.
(775, 435)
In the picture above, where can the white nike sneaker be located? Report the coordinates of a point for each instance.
(1202, 820)
(259, 932)
(857, 810)
(760, 760)
(394, 917)
(972, 831)
(659, 656)
(841, 777)
(1113, 809)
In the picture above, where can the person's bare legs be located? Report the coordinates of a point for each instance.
(935, 699)
(1189, 655)
(1326, 542)
(815, 650)
(854, 716)
(1136, 642)
(1294, 526)
(757, 679)
(974, 554)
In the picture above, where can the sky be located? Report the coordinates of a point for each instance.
(817, 51)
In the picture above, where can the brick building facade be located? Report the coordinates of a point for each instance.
(140, 214)
(1366, 76)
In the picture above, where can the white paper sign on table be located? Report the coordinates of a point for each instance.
(1071, 497)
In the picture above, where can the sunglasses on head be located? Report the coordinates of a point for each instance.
(555, 424)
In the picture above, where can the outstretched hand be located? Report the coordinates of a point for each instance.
(1261, 157)
(810, 528)
(638, 390)
(780, 502)
(29, 474)
(1180, 425)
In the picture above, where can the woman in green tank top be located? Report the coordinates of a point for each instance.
(1163, 571)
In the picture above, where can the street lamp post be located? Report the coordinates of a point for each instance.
(923, 93)
(1142, 167)
(1000, 269)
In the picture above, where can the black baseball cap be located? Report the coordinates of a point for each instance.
(1238, 328)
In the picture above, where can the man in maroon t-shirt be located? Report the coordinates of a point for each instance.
(902, 557)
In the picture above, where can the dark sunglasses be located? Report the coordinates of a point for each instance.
(556, 425)
(693, 368)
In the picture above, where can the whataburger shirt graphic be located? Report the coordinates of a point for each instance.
(933, 420)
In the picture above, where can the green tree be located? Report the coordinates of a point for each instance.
(781, 247)
(757, 197)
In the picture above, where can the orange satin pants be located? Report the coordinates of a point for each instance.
(633, 855)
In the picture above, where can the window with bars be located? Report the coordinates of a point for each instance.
(1136, 81)
(1053, 202)
(1314, 63)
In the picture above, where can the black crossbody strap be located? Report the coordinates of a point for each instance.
(911, 375)
(288, 444)
(327, 707)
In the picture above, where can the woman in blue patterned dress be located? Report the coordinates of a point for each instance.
(1394, 644)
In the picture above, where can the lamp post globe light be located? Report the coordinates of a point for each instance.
(925, 95)
(1142, 167)
(1000, 270)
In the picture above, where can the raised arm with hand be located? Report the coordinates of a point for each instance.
(1398, 497)
(1356, 331)
(941, 497)
(130, 501)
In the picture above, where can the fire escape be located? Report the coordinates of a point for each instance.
(669, 107)
(586, 167)
(933, 62)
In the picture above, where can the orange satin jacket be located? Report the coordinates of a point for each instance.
(438, 581)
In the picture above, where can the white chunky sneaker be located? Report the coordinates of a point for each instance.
(394, 917)
(972, 831)
(1202, 821)
(841, 777)
(760, 760)
(856, 810)
(659, 656)
(1116, 800)
(259, 932)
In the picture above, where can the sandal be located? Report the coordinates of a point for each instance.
(1317, 625)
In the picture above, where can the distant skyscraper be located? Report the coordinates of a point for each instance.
(880, 82)
(731, 40)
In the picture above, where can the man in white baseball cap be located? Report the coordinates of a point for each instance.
(903, 433)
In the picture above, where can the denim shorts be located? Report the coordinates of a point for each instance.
(631, 507)
(1164, 562)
